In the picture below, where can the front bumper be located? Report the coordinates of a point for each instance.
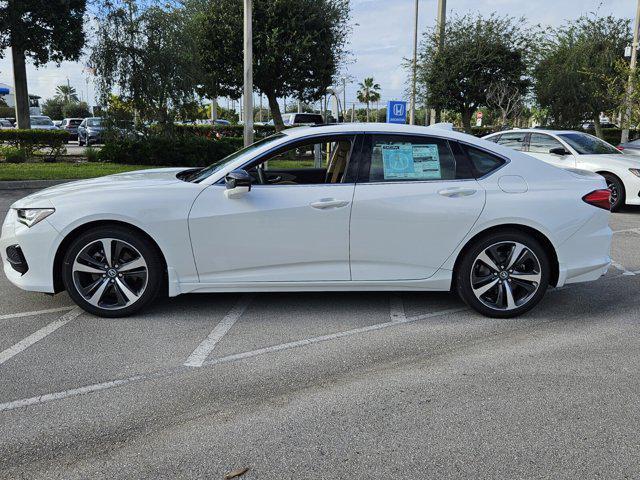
(38, 246)
(632, 189)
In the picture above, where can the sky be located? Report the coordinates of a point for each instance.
(382, 36)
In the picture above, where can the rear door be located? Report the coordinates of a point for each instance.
(415, 200)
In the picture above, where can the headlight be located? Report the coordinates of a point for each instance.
(635, 171)
(31, 216)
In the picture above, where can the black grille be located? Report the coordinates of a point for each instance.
(16, 259)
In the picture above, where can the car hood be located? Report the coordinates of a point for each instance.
(622, 161)
(136, 179)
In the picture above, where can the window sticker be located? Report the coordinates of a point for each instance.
(404, 161)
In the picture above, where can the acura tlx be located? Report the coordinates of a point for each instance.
(347, 207)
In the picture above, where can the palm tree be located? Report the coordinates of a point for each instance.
(66, 94)
(369, 92)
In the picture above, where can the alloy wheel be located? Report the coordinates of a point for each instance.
(110, 273)
(506, 275)
(614, 192)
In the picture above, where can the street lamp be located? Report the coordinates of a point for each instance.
(412, 108)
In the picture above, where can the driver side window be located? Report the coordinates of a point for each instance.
(315, 161)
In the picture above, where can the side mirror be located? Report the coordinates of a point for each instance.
(559, 151)
(238, 182)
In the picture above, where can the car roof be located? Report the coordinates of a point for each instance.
(331, 128)
(533, 130)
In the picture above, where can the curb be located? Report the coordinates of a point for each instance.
(29, 184)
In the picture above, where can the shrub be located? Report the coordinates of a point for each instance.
(187, 151)
(51, 142)
(10, 154)
(91, 154)
(261, 131)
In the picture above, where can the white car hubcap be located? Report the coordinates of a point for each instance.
(110, 273)
(505, 276)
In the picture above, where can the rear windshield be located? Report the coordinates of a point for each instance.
(75, 123)
(41, 121)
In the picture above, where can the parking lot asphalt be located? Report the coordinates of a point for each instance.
(326, 385)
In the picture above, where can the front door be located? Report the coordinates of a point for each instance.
(540, 145)
(413, 205)
(293, 226)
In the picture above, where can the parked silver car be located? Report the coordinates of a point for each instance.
(42, 122)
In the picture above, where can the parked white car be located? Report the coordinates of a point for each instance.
(570, 149)
(391, 207)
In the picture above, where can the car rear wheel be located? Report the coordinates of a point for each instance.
(503, 274)
(618, 193)
(80, 142)
(112, 271)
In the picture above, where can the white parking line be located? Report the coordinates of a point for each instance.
(38, 335)
(622, 268)
(628, 230)
(200, 354)
(331, 336)
(49, 397)
(35, 312)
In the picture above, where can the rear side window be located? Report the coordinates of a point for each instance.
(397, 158)
(512, 140)
(483, 162)
(309, 118)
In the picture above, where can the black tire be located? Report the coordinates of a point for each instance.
(618, 193)
(80, 143)
(148, 252)
(464, 270)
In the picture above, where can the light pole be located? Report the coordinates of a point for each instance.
(248, 73)
(442, 18)
(634, 59)
(412, 108)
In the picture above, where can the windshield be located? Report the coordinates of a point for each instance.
(206, 172)
(41, 121)
(588, 144)
(94, 122)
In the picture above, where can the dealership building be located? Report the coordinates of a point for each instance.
(8, 95)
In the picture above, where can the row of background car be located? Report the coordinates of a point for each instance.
(86, 130)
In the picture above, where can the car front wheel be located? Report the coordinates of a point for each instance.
(503, 274)
(112, 271)
(617, 191)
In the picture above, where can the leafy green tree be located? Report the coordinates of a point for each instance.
(577, 67)
(298, 47)
(368, 92)
(478, 51)
(43, 31)
(66, 94)
(76, 110)
(145, 51)
(53, 108)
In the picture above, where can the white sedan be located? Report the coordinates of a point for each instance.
(570, 149)
(328, 208)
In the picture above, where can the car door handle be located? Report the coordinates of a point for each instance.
(326, 203)
(457, 192)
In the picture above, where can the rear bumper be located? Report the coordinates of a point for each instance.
(585, 256)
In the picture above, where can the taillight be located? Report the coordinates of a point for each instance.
(620, 147)
(599, 198)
